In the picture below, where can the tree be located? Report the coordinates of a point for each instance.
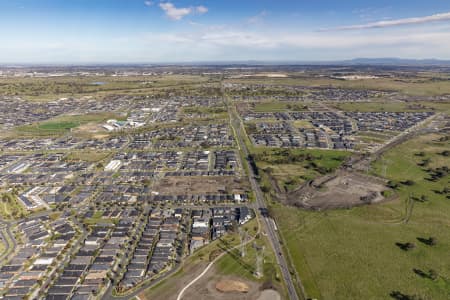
(265, 189)
(406, 246)
(269, 170)
(432, 274)
(445, 153)
(392, 184)
(433, 241)
(409, 246)
(408, 182)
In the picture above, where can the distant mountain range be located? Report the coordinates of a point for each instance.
(388, 61)
(396, 62)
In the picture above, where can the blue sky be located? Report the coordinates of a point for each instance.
(121, 31)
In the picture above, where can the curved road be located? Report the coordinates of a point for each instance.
(8, 240)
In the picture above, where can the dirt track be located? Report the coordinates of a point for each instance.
(170, 288)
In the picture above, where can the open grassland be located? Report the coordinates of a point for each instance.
(52, 88)
(291, 167)
(375, 137)
(10, 208)
(427, 84)
(278, 106)
(352, 254)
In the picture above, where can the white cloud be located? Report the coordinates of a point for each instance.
(257, 18)
(426, 42)
(149, 3)
(201, 9)
(397, 22)
(176, 14)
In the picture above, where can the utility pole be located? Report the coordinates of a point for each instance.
(259, 270)
(243, 237)
(384, 167)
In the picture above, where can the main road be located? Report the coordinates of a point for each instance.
(261, 206)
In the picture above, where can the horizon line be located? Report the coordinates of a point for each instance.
(362, 60)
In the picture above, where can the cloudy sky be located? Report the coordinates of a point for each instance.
(137, 31)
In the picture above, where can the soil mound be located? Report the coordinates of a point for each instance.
(230, 286)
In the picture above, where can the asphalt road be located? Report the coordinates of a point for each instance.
(260, 204)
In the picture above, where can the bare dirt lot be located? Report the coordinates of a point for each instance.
(269, 295)
(233, 288)
(201, 185)
(91, 129)
(230, 286)
(342, 190)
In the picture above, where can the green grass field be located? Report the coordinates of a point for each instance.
(61, 124)
(352, 254)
